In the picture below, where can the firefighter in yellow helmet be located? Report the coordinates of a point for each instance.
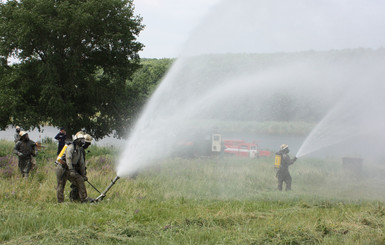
(283, 173)
(25, 149)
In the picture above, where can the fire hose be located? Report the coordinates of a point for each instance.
(93, 187)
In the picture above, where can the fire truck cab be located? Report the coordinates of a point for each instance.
(216, 143)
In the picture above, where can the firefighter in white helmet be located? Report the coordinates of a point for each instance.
(73, 169)
(74, 194)
(17, 134)
(25, 149)
(283, 173)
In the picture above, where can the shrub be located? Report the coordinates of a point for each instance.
(47, 140)
(7, 167)
(6, 148)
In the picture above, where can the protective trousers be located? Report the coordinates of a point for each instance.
(74, 193)
(25, 165)
(284, 177)
(62, 177)
(78, 181)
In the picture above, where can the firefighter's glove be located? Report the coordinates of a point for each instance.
(294, 159)
(72, 173)
(85, 178)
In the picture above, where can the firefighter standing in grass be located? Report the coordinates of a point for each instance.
(17, 134)
(61, 138)
(73, 169)
(283, 173)
(25, 149)
(74, 194)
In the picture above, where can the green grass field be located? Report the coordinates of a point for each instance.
(195, 201)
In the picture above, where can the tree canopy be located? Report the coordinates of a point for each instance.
(74, 58)
(148, 77)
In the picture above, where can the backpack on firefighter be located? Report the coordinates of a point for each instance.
(278, 160)
(60, 158)
(278, 156)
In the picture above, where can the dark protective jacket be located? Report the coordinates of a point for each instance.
(285, 163)
(75, 159)
(61, 138)
(25, 149)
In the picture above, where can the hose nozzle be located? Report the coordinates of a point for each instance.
(103, 194)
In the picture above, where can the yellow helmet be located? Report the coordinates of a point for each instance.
(88, 138)
(79, 135)
(284, 146)
(22, 133)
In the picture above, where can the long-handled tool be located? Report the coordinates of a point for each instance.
(103, 194)
(93, 187)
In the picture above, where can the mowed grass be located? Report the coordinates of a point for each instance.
(210, 200)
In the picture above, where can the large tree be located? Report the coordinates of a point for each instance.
(74, 58)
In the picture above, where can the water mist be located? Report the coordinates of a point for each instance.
(250, 60)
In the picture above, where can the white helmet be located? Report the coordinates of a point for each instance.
(284, 146)
(22, 133)
(79, 135)
(88, 138)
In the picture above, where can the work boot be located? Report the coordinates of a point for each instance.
(74, 194)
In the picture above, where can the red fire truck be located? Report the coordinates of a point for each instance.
(214, 144)
(243, 149)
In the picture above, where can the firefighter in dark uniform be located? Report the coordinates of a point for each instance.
(283, 173)
(73, 169)
(17, 134)
(61, 138)
(25, 149)
(74, 194)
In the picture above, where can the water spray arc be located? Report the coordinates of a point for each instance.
(295, 59)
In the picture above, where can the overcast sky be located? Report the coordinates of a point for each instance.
(175, 27)
(169, 24)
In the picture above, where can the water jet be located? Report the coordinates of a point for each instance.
(272, 61)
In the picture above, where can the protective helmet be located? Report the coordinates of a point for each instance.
(17, 128)
(284, 146)
(79, 135)
(88, 138)
(22, 133)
